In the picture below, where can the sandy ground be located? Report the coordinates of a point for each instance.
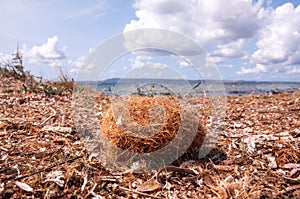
(257, 154)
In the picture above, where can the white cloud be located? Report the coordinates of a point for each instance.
(136, 63)
(183, 64)
(228, 30)
(204, 21)
(226, 65)
(224, 27)
(293, 70)
(159, 65)
(5, 58)
(76, 64)
(140, 62)
(217, 59)
(55, 63)
(279, 39)
(91, 50)
(47, 54)
(257, 69)
(143, 57)
(160, 42)
(232, 49)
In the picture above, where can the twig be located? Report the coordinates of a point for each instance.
(90, 191)
(42, 170)
(289, 189)
(51, 116)
(4, 149)
(138, 192)
(174, 169)
(110, 179)
(85, 180)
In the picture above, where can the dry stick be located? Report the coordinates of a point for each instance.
(174, 169)
(289, 189)
(42, 170)
(138, 192)
(90, 191)
(51, 116)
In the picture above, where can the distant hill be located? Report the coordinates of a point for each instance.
(139, 81)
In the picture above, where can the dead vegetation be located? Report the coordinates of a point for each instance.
(123, 131)
(13, 70)
(41, 155)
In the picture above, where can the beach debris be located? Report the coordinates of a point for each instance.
(41, 155)
(161, 128)
(1, 188)
(24, 186)
(272, 162)
(149, 186)
(119, 121)
(55, 176)
(60, 129)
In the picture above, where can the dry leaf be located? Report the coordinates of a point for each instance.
(24, 186)
(251, 144)
(293, 180)
(168, 186)
(119, 121)
(60, 141)
(149, 186)
(1, 188)
(291, 166)
(57, 129)
(294, 172)
(272, 162)
(229, 179)
(224, 167)
(96, 196)
(57, 177)
(207, 180)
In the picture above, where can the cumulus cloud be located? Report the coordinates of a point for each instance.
(143, 57)
(217, 59)
(183, 64)
(257, 69)
(142, 61)
(226, 65)
(47, 53)
(227, 29)
(160, 42)
(76, 64)
(293, 70)
(205, 21)
(232, 49)
(139, 62)
(5, 58)
(279, 39)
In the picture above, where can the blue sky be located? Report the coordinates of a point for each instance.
(248, 40)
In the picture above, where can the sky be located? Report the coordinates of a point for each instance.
(247, 40)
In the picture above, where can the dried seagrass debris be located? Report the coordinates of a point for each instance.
(162, 126)
(28, 154)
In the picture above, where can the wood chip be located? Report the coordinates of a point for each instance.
(149, 186)
(24, 186)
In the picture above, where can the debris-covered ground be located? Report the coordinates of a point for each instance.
(41, 155)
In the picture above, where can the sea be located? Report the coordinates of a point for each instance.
(192, 87)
